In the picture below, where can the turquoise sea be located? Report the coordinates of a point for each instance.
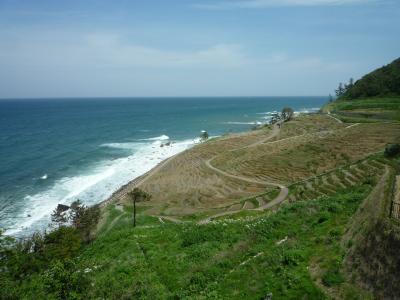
(59, 150)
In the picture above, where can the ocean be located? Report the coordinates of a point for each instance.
(58, 150)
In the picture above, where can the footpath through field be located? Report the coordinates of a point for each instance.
(284, 191)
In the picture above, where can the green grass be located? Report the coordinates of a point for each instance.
(366, 110)
(371, 103)
(224, 259)
(236, 257)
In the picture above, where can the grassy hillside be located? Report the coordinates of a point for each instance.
(316, 244)
(236, 259)
(313, 247)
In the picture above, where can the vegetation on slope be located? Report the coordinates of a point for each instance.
(238, 259)
(374, 97)
(382, 82)
(366, 110)
(373, 240)
(296, 252)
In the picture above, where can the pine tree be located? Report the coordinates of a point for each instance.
(137, 195)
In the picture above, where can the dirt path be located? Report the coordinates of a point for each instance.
(274, 133)
(329, 115)
(355, 124)
(169, 218)
(113, 223)
(277, 200)
(281, 197)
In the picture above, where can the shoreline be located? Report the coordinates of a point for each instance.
(123, 190)
(119, 193)
(43, 223)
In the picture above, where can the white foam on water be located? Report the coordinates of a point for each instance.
(129, 146)
(158, 138)
(44, 177)
(243, 123)
(268, 112)
(95, 184)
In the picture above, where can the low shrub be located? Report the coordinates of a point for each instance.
(332, 277)
(392, 150)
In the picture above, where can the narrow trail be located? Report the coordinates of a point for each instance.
(274, 133)
(353, 125)
(168, 218)
(284, 191)
(113, 223)
(329, 115)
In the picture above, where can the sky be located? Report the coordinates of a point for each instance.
(170, 48)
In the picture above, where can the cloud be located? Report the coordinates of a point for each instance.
(274, 3)
(100, 50)
(110, 51)
(55, 63)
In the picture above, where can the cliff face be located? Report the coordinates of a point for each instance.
(373, 259)
(376, 260)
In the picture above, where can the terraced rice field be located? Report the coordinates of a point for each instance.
(325, 184)
(328, 183)
(302, 148)
(302, 156)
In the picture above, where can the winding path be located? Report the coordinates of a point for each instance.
(278, 199)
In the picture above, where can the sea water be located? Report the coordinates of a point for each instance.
(59, 150)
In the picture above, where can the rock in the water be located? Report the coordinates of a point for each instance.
(62, 207)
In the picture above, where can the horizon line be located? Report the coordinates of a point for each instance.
(150, 97)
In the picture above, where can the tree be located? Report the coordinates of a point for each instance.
(137, 195)
(84, 219)
(275, 118)
(351, 83)
(204, 135)
(391, 150)
(287, 113)
(340, 90)
(62, 243)
(59, 215)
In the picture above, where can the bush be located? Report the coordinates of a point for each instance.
(64, 281)
(193, 235)
(392, 150)
(63, 243)
(332, 277)
(84, 219)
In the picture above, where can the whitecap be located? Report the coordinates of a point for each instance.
(92, 185)
(158, 138)
(243, 123)
(268, 112)
(122, 145)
